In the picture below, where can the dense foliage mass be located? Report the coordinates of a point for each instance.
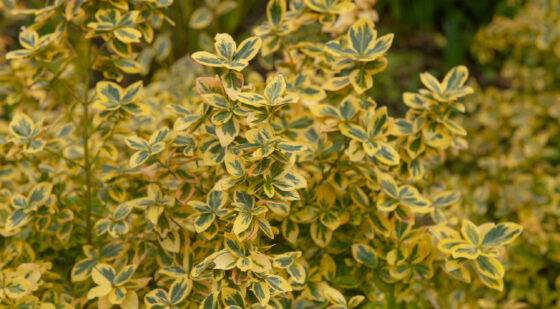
(513, 170)
(260, 171)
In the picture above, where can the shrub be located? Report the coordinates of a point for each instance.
(261, 174)
(512, 170)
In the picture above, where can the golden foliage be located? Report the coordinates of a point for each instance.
(213, 184)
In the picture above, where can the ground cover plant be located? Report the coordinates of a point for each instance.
(260, 169)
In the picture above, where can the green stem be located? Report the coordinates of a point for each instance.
(326, 174)
(85, 137)
(391, 301)
(60, 155)
(105, 140)
(167, 168)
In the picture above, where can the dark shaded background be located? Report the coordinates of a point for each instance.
(430, 35)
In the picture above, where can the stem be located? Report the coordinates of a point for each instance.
(333, 166)
(109, 135)
(167, 168)
(287, 50)
(60, 155)
(98, 52)
(391, 301)
(85, 137)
